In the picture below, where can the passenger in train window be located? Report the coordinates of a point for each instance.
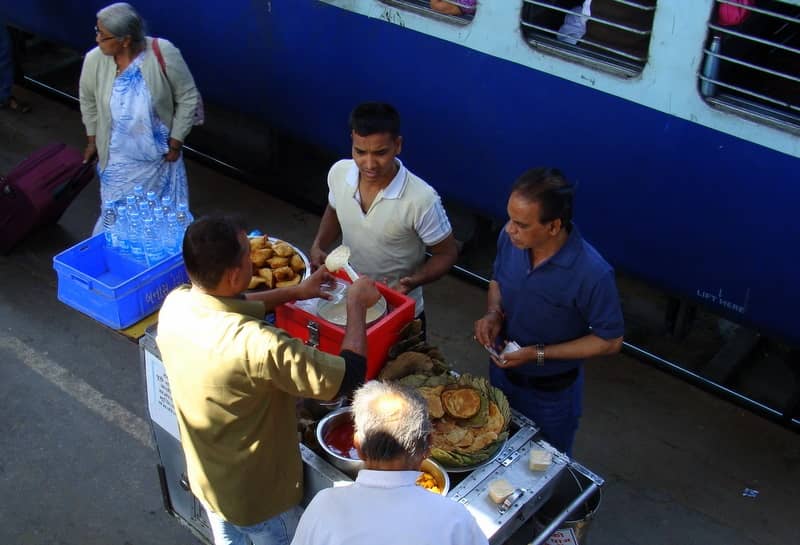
(455, 7)
(384, 213)
(553, 294)
(574, 27)
(138, 102)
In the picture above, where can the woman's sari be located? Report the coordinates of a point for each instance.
(139, 141)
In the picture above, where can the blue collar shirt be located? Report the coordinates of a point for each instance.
(570, 295)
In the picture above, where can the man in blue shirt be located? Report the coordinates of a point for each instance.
(554, 295)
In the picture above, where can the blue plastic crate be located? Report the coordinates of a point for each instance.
(113, 289)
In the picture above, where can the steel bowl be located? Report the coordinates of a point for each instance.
(348, 466)
(429, 465)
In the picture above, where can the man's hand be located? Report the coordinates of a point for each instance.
(362, 294)
(317, 257)
(406, 284)
(516, 358)
(487, 328)
(312, 286)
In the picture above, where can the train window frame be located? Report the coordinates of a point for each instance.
(422, 7)
(730, 94)
(588, 52)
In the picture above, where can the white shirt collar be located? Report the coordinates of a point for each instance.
(392, 191)
(386, 479)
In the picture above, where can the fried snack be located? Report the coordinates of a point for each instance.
(259, 257)
(269, 278)
(282, 274)
(282, 249)
(255, 281)
(288, 283)
(276, 262)
(480, 441)
(461, 401)
(296, 263)
(258, 243)
(496, 422)
(407, 363)
(433, 396)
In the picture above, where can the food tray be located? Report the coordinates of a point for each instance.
(511, 464)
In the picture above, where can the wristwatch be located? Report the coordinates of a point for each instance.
(539, 354)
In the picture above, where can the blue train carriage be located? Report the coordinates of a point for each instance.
(679, 124)
(678, 119)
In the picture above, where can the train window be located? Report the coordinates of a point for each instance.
(751, 62)
(459, 12)
(612, 35)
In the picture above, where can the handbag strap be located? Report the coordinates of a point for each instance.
(157, 51)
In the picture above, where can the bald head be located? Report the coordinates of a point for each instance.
(391, 422)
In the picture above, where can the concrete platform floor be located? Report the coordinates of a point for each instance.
(77, 466)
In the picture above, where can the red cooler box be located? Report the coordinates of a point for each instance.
(326, 336)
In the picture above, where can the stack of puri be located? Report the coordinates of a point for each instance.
(275, 264)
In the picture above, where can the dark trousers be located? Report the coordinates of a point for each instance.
(555, 413)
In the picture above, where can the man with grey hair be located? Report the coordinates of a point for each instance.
(384, 505)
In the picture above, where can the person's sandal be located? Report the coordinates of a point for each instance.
(13, 104)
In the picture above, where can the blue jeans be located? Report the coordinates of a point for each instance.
(555, 413)
(6, 63)
(279, 530)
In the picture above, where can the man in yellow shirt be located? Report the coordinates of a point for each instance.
(235, 380)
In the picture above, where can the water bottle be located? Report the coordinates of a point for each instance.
(152, 200)
(160, 225)
(184, 217)
(174, 235)
(130, 202)
(711, 68)
(135, 235)
(138, 192)
(144, 211)
(109, 220)
(121, 228)
(153, 251)
(166, 205)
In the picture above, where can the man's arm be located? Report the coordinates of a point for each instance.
(443, 256)
(307, 289)
(488, 327)
(602, 307)
(329, 230)
(588, 346)
(361, 295)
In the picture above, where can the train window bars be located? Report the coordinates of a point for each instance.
(751, 61)
(611, 35)
(459, 12)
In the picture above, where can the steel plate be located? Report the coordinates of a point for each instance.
(335, 312)
(306, 262)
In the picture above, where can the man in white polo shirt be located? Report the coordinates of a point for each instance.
(385, 214)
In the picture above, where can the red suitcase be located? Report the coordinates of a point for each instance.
(38, 190)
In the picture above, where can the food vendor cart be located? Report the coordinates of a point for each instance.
(470, 485)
